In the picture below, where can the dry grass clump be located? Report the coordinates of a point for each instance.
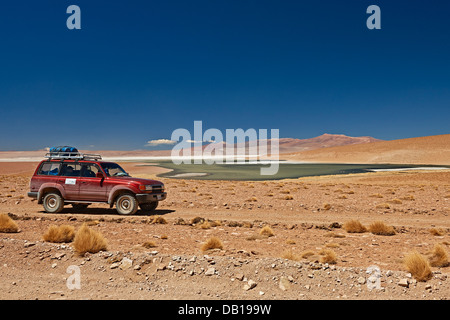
(408, 197)
(252, 199)
(380, 228)
(328, 256)
(306, 254)
(326, 206)
(288, 197)
(354, 226)
(88, 240)
(418, 266)
(212, 243)
(376, 195)
(159, 220)
(288, 254)
(149, 244)
(8, 225)
(267, 232)
(439, 257)
(437, 232)
(59, 234)
(383, 206)
(395, 201)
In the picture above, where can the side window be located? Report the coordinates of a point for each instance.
(70, 169)
(49, 169)
(89, 170)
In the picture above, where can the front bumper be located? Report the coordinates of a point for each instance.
(33, 195)
(150, 197)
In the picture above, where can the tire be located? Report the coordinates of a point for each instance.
(150, 206)
(126, 204)
(53, 203)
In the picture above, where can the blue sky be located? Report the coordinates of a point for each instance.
(137, 70)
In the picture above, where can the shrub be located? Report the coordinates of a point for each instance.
(418, 266)
(8, 225)
(266, 231)
(88, 240)
(149, 244)
(439, 257)
(328, 256)
(288, 254)
(380, 228)
(212, 243)
(159, 220)
(437, 232)
(354, 226)
(59, 234)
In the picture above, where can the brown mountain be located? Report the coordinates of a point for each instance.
(421, 150)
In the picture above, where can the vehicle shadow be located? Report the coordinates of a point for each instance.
(112, 212)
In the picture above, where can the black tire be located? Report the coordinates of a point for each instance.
(126, 204)
(53, 203)
(149, 207)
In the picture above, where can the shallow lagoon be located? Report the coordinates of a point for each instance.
(286, 170)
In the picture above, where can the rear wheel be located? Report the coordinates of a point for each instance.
(53, 203)
(126, 204)
(150, 206)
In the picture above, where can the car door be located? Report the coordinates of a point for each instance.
(69, 179)
(91, 186)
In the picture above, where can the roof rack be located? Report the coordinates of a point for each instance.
(72, 156)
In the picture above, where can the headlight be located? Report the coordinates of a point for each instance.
(146, 187)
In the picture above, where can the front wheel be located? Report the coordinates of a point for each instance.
(126, 204)
(53, 203)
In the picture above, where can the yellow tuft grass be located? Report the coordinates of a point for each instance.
(212, 243)
(418, 266)
(8, 225)
(267, 232)
(380, 228)
(288, 254)
(439, 257)
(437, 232)
(149, 244)
(88, 240)
(288, 197)
(328, 256)
(354, 226)
(159, 220)
(59, 234)
(326, 206)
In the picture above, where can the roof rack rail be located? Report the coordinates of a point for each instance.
(72, 156)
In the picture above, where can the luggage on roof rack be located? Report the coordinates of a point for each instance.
(66, 152)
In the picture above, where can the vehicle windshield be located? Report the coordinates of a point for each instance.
(114, 170)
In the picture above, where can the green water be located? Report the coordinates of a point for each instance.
(285, 171)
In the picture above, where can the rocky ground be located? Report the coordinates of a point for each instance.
(305, 215)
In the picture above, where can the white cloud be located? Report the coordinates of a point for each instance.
(158, 142)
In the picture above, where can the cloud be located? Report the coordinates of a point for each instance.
(158, 142)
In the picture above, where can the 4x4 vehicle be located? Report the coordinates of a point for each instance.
(82, 179)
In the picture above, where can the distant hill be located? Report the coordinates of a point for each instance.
(421, 150)
(286, 145)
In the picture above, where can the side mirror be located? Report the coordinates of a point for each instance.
(99, 175)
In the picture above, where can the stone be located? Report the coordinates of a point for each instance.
(284, 284)
(250, 285)
(126, 263)
(210, 272)
(361, 280)
(403, 283)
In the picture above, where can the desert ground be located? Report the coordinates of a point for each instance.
(306, 217)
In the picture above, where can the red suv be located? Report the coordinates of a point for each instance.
(82, 179)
